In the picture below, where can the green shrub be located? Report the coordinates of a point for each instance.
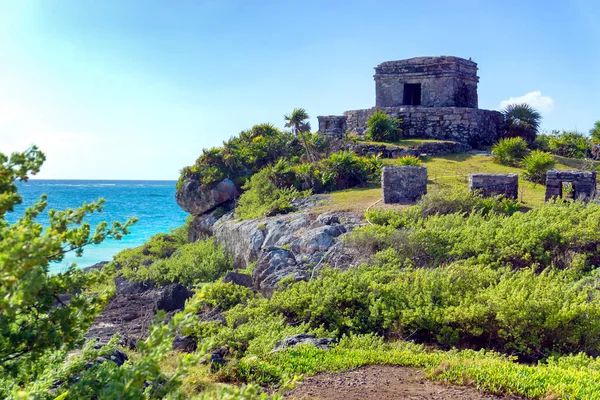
(159, 247)
(224, 296)
(383, 128)
(262, 198)
(571, 144)
(191, 264)
(443, 202)
(345, 169)
(536, 164)
(243, 155)
(510, 151)
(409, 161)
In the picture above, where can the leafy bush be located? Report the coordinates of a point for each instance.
(510, 151)
(262, 198)
(521, 120)
(562, 234)
(159, 247)
(243, 155)
(536, 164)
(190, 264)
(345, 169)
(383, 128)
(224, 296)
(571, 144)
(448, 201)
(409, 161)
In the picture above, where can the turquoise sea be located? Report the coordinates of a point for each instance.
(152, 202)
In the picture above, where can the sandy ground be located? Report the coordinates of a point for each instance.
(382, 382)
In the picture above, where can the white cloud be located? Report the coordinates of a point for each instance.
(543, 104)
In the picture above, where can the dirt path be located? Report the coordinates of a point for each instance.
(382, 382)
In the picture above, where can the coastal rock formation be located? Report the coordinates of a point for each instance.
(197, 199)
(274, 265)
(307, 236)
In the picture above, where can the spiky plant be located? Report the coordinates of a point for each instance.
(521, 120)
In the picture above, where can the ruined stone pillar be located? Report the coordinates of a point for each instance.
(403, 184)
(490, 185)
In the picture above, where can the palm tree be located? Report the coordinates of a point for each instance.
(298, 121)
(521, 120)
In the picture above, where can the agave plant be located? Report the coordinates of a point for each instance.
(521, 120)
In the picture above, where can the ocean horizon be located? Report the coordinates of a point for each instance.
(151, 201)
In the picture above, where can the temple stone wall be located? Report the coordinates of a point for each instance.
(584, 184)
(490, 185)
(444, 82)
(332, 124)
(467, 125)
(403, 184)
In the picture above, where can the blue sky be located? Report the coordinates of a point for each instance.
(136, 89)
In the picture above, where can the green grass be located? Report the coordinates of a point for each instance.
(572, 377)
(448, 171)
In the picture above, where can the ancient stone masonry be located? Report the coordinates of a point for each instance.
(436, 97)
(392, 151)
(403, 184)
(332, 124)
(584, 184)
(489, 185)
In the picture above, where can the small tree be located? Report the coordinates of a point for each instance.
(521, 120)
(298, 121)
(383, 128)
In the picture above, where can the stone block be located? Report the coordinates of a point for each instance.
(403, 184)
(490, 185)
(584, 184)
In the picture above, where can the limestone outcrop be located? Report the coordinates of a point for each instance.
(197, 199)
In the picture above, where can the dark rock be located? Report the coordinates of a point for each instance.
(126, 286)
(303, 338)
(173, 297)
(216, 358)
(201, 226)
(274, 265)
(197, 199)
(117, 356)
(328, 219)
(238, 279)
(96, 267)
(184, 344)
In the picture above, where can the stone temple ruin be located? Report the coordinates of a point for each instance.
(490, 185)
(583, 184)
(436, 97)
(403, 184)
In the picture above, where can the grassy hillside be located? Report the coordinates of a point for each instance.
(449, 171)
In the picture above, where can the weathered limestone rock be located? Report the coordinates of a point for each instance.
(308, 237)
(403, 184)
(584, 184)
(490, 185)
(274, 265)
(303, 338)
(197, 199)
